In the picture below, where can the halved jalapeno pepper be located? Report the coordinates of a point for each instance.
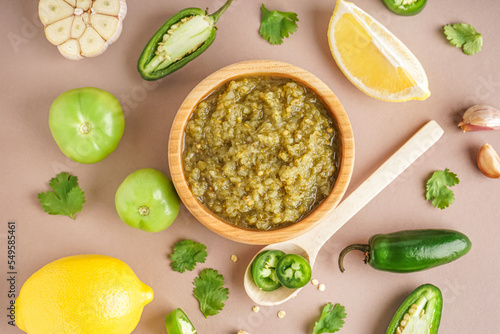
(419, 313)
(405, 7)
(182, 38)
(177, 322)
(293, 271)
(264, 270)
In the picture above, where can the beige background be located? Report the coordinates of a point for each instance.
(33, 74)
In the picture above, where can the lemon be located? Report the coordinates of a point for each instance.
(372, 58)
(82, 294)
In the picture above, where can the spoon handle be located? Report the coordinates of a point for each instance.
(421, 141)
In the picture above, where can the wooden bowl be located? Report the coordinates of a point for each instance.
(259, 68)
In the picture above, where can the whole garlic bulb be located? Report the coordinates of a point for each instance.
(83, 28)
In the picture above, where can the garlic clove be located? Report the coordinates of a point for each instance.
(71, 49)
(105, 25)
(84, 4)
(91, 43)
(488, 161)
(60, 31)
(480, 118)
(51, 11)
(107, 7)
(78, 27)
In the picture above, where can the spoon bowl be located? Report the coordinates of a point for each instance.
(309, 244)
(282, 294)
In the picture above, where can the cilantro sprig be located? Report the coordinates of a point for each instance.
(331, 320)
(464, 36)
(66, 199)
(276, 25)
(210, 292)
(437, 189)
(187, 254)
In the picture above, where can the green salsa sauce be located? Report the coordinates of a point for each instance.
(261, 152)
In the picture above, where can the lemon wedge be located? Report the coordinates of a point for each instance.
(372, 58)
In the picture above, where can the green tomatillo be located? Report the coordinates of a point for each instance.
(86, 123)
(147, 200)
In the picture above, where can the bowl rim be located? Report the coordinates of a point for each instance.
(259, 68)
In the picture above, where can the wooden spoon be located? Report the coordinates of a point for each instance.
(309, 244)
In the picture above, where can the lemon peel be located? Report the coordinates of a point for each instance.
(82, 294)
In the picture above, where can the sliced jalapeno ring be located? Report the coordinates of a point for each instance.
(177, 322)
(419, 313)
(264, 270)
(182, 38)
(293, 271)
(405, 7)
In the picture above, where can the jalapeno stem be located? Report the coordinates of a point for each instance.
(360, 247)
(215, 16)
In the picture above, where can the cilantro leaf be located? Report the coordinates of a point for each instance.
(186, 254)
(464, 36)
(437, 188)
(67, 197)
(208, 289)
(275, 25)
(331, 320)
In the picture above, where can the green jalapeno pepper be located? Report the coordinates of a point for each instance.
(177, 322)
(419, 313)
(409, 251)
(405, 7)
(182, 38)
(264, 270)
(293, 271)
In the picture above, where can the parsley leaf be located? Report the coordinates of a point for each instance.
(275, 25)
(437, 188)
(208, 289)
(464, 36)
(186, 254)
(67, 197)
(331, 320)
